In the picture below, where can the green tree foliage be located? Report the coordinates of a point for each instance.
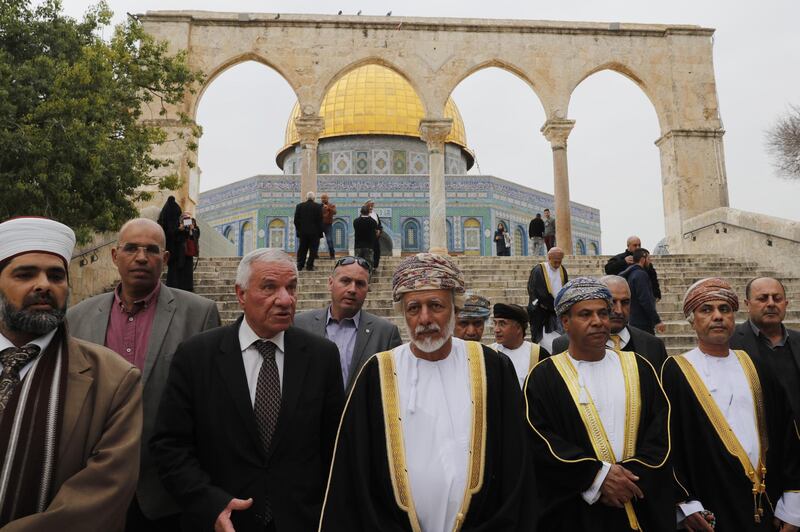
(73, 143)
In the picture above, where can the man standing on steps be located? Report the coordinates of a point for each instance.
(376, 250)
(643, 303)
(308, 226)
(764, 335)
(246, 427)
(735, 447)
(510, 322)
(365, 232)
(432, 438)
(471, 318)
(536, 234)
(599, 422)
(357, 333)
(549, 230)
(544, 282)
(624, 337)
(328, 212)
(144, 321)
(618, 263)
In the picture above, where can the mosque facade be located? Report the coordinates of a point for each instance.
(371, 150)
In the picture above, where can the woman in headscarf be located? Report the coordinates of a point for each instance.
(501, 241)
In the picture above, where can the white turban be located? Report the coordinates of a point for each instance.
(36, 235)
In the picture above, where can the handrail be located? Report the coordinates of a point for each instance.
(94, 249)
(688, 234)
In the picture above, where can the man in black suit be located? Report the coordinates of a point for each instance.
(624, 337)
(246, 427)
(308, 226)
(619, 263)
(764, 335)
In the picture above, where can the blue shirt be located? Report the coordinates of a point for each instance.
(343, 334)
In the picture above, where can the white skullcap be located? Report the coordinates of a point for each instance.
(36, 235)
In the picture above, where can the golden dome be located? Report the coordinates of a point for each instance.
(374, 100)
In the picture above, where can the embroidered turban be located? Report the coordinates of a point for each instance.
(580, 289)
(710, 289)
(476, 307)
(511, 312)
(427, 271)
(36, 235)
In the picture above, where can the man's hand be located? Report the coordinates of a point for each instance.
(223, 522)
(696, 522)
(784, 527)
(619, 487)
(629, 259)
(661, 327)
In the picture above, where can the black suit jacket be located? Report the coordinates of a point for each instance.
(206, 443)
(308, 219)
(642, 343)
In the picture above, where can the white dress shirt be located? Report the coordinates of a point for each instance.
(252, 357)
(555, 278)
(520, 357)
(435, 408)
(43, 341)
(624, 338)
(605, 384)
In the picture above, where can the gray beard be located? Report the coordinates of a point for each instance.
(429, 345)
(38, 322)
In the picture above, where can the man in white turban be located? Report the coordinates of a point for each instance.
(432, 438)
(70, 411)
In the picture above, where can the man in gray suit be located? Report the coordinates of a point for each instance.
(144, 321)
(357, 333)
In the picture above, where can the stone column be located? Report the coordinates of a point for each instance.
(309, 128)
(556, 132)
(434, 132)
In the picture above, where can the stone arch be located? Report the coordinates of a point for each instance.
(232, 62)
(412, 235)
(630, 74)
(594, 248)
(520, 241)
(506, 66)
(246, 238)
(473, 237)
(369, 60)
(276, 233)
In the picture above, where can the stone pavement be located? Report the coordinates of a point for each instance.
(504, 279)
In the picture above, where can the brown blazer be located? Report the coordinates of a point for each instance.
(98, 451)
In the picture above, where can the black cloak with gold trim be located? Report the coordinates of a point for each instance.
(705, 470)
(567, 464)
(361, 492)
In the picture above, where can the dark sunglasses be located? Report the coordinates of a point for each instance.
(347, 261)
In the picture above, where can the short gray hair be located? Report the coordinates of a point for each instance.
(261, 255)
(310, 195)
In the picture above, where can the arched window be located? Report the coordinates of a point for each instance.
(594, 249)
(519, 242)
(580, 247)
(228, 234)
(246, 239)
(472, 237)
(277, 233)
(450, 244)
(340, 234)
(411, 235)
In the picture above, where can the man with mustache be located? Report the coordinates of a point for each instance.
(735, 447)
(624, 337)
(144, 321)
(510, 322)
(764, 335)
(431, 438)
(471, 318)
(70, 411)
(599, 421)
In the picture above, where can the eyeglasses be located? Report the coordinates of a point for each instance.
(347, 261)
(150, 250)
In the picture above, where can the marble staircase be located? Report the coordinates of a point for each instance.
(505, 279)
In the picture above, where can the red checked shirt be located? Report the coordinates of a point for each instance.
(129, 329)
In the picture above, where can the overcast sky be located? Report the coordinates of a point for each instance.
(613, 163)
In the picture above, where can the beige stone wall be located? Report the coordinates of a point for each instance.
(672, 64)
(96, 276)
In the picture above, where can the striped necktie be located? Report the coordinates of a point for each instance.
(617, 342)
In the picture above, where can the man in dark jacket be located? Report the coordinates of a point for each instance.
(308, 225)
(618, 263)
(365, 231)
(643, 303)
(536, 234)
(624, 337)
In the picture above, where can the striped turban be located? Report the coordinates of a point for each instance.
(580, 289)
(709, 289)
(427, 271)
(476, 307)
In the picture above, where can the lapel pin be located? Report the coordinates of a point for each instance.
(367, 331)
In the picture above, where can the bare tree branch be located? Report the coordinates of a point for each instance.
(783, 144)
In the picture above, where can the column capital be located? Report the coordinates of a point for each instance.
(556, 131)
(309, 128)
(434, 132)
